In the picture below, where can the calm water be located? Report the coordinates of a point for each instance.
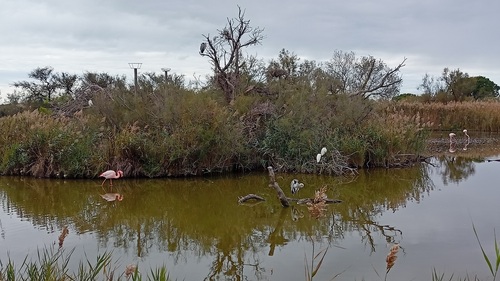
(198, 230)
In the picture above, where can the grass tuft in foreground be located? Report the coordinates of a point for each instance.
(52, 265)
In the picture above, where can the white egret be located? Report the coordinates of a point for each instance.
(323, 152)
(318, 157)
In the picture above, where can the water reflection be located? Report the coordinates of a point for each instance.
(198, 222)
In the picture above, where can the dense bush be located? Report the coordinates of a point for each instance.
(179, 132)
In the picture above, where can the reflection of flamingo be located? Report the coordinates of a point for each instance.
(110, 197)
(452, 143)
(452, 147)
(110, 174)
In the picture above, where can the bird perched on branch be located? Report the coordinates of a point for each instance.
(110, 175)
(203, 46)
(323, 152)
(295, 186)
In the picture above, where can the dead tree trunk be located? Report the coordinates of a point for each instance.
(272, 183)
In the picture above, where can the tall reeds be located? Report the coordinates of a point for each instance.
(478, 115)
(493, 265)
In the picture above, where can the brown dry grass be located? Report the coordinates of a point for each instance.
(391, 258)
(476, 115)
(317, 207)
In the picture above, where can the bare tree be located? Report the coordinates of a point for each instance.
(225, 52)
(430, 85)
(366, 77)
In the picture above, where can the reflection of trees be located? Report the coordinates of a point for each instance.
(367, 226)
(455, 168)
(375, 193)
(201, 218)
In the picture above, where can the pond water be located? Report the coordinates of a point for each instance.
(197, 229)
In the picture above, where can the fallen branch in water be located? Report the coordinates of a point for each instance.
(311, 200)
(250, 197)
(285, 201)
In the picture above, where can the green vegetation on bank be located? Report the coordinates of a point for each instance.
(175, 132)
(248, 115)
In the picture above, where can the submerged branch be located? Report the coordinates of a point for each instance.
(250, 197)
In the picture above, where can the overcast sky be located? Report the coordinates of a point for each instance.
(76, 36)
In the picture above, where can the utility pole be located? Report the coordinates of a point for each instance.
(166, 70)
(135, 66)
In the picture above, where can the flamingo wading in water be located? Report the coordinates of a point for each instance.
(110, 175)
(467, 135)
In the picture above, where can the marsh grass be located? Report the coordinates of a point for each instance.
(312, 267)
(478, 115)
(52, 265)
(494, 264)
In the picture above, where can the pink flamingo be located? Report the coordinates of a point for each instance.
(110, 174)
(452, 137)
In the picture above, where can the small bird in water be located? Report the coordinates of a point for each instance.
(295, 186)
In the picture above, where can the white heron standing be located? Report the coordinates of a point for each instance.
(295, 186)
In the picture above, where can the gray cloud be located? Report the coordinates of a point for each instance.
(77, 36)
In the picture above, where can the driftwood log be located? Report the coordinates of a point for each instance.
(272, 183)
(311, 200)
(250, 197)
(285, 201)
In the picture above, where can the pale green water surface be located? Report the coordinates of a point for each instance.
(199, 231)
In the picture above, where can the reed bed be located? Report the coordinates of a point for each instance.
(475, 115)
